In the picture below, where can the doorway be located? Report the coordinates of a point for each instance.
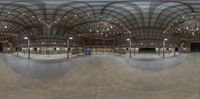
(147, 50)
(1, 47)
(195, 47)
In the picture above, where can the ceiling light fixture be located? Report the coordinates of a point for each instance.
(193, 34)
(71, 38)
(26, 38)
(5, 26)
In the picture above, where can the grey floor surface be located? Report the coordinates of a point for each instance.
(100, 77)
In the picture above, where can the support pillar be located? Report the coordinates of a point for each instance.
(17, 51)
(174, 46)
(134, 51)
(78, 47)
(28, 49)
(113, 48)
(130, 49)
(78, 51)
(174, 51)
(163, 48)
(68, 49)
(83, 46)
(47, 51)
(159, 51)
(94, 50)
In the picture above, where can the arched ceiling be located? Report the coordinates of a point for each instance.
(143, 21)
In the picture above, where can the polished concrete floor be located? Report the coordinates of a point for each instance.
(100, 77)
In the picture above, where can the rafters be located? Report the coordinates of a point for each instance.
(145, 21)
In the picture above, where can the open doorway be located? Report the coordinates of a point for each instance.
(195, 47)
(147, 50)
(176, 49)
(1, 47)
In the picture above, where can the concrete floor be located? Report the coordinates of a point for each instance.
(99, 77)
